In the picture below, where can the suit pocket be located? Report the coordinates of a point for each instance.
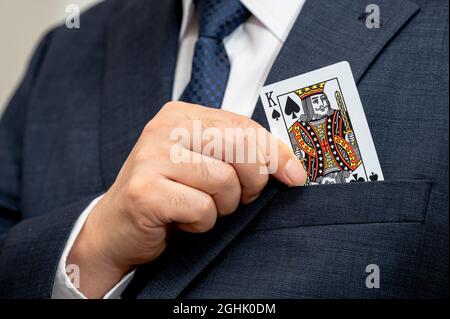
(352, 203)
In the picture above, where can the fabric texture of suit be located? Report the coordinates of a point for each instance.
(89, 92)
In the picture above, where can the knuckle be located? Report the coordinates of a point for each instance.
(207, 207)
(149, 127)
(168, 116)
(170, 105)
(208, 121)
(151, 159)
(243, 122)
(197, 166)
(227, 177)
(239, 121)
(141, 154)
(136, 187)
(205, 217)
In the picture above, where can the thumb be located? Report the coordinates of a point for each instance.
(289, 170)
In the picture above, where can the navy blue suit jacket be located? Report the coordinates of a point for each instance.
(89, 92)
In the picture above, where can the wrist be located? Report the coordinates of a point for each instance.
(90, 252)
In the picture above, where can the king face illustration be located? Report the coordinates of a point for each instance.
(323, 137)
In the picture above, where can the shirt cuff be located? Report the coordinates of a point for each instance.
(63, 287)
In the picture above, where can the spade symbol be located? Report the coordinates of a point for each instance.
(291, 108)
(373, 177)
(276, 115)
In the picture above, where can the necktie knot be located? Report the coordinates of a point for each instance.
(210, 65)
(218, 18)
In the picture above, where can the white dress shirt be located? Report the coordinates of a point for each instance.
(252, 49)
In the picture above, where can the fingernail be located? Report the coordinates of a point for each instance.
(295, 173)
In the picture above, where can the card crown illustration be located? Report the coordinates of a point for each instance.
(310, 90)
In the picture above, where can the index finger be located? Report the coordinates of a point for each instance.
(272, 155)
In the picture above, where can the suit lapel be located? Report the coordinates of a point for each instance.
(325, 32)
(140, 64)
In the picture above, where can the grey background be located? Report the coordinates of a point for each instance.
(22, 24)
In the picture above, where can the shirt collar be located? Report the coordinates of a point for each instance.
(188, 11)
(277, 16)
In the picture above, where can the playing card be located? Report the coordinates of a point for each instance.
(320, 116)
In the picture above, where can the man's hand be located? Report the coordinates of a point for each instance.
(129, 225)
